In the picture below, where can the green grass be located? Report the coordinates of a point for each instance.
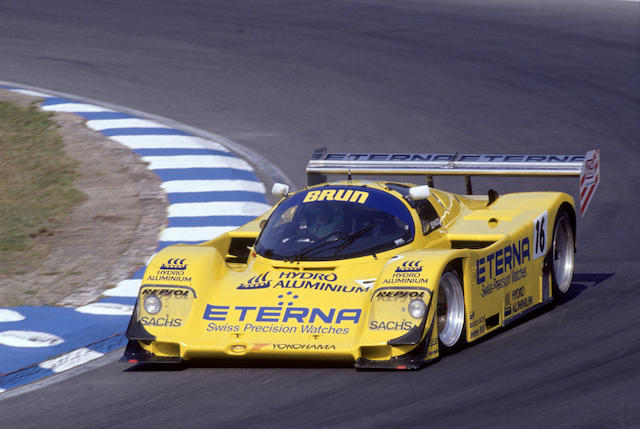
(36, 178)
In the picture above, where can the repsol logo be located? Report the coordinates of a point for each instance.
(179, 293)
(506, 258)
(347, 195)
(164, 322)
(398, 294)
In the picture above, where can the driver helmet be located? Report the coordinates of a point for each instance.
(323, 219)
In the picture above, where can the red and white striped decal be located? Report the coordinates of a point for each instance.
(589, 179)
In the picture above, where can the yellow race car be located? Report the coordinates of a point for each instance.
(383, 274)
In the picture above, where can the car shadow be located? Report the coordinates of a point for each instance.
(583, 281)
(579, 283)
(240, 363)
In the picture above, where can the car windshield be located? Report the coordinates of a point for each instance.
(335, 222)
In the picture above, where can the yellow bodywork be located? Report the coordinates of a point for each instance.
(222, 300)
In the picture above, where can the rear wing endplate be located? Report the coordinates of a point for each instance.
(587, 167)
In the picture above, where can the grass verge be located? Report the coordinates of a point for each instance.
(36, 179)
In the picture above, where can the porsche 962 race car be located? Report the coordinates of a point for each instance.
(383, 274)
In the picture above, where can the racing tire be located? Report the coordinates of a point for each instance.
(562, 255)
(450, 311)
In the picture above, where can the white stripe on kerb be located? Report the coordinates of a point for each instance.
(75, 107)
(196, 161)
(126, 288)
(174, 186)
(198, 233)
(7, 315)
(70, 360)
(226, 208)
(29, 339)
(106, 308)
(167, 142)
(106, 124)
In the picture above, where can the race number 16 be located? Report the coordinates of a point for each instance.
(540, 235)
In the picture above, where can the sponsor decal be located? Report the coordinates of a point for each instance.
(409, 267)
(419, 157)
(302, 280)
(177, 293)
(516, 301)
(282, 314)
(316, 281)
(589, 179)
(392, 295)
(256, 282)
(410, 272)
(480, 327)
(503, 267)
(479, 321)
(174, 264)
(258, 346)
(165, 322)
(346, 195)
(273, 319)
(304, 347)
(392, 325)
(173, 271)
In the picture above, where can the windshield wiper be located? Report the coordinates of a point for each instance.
(349, 239)
(330, 239)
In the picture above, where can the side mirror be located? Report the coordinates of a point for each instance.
(418, 193)
(280, 190)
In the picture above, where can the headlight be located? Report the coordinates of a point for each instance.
(417, 307)
(152, 304)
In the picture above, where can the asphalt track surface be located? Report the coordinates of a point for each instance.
(284, 77)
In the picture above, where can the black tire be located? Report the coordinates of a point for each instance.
(562, 255)
(450, 313)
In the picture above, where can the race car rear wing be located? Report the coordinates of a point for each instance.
(587, 167)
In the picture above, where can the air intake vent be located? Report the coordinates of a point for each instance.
(470, 244)
(239, 250)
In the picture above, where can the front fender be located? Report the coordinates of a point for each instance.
(392, 335)
(177, 276)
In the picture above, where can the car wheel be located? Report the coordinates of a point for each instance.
(450, 309)
(562, 255)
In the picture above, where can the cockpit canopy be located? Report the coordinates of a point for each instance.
(335, 222)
